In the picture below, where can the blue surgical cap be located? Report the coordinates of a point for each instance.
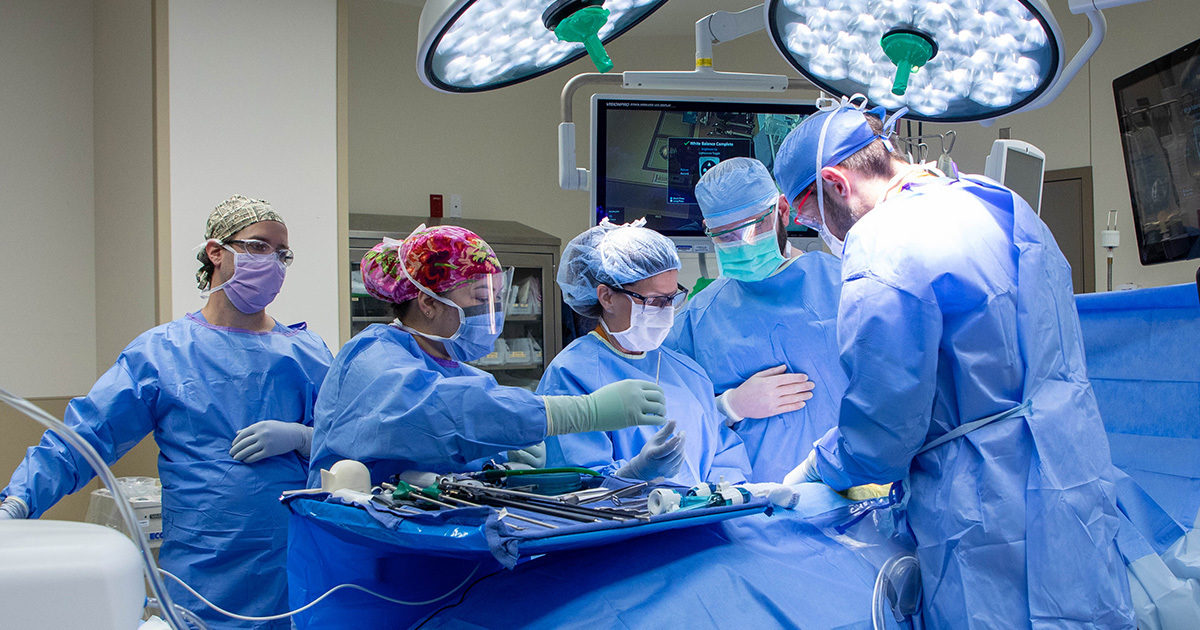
(611, 254)
(849, 132)
(734, 190)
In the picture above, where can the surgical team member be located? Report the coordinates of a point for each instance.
(764, 332)
(401, 396)
(228, 393)
(960, 338)
(627, 277)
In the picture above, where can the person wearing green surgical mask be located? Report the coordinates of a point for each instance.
(752, 248)
(764, 331)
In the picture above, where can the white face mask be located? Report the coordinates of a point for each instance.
(648, 327)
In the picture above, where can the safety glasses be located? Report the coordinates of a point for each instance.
(742, 232)
(807, 221)
(674, 300)
(262, 248)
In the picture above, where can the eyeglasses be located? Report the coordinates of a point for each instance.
(808, 222)
(261, 248)
(741, 232)
(656, 301)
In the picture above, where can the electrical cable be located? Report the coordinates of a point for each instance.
(188, 615)
(317, 600)
(81, 446)
(461, 599)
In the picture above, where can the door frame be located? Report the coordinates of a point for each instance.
(1084, 174)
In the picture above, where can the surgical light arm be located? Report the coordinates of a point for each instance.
(1099, 28)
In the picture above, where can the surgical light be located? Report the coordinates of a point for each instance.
(478, 45)
(946, 60)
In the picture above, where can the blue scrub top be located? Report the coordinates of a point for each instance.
(390, 405)
(712, 451)
(957, 305)
(195, 385)
(735, 329)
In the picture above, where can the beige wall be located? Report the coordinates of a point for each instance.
(253, 111)
(75, 197)
(47, 311)
(124, 175)
(499, 149)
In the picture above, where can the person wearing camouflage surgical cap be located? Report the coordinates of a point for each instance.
(228, 393)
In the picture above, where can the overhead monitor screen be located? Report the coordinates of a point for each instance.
(648, 153)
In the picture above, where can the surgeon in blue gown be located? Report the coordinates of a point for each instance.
(228, 394)
(627, 277)
(959, 335)
(765, 331)
(402, 396)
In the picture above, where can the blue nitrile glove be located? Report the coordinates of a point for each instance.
(270, 438)
(660, 457)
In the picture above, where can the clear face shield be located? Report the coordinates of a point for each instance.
(484, 295)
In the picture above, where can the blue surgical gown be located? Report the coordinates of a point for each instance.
(195, 385)
(390, 405)
(711, 450)
(957, 305)
(735, 329)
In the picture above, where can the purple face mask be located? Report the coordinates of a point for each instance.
(256, 281)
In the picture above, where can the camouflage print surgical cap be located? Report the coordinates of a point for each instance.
(229, 218)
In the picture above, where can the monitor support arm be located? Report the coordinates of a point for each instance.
(712, 29)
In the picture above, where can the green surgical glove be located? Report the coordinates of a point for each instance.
(615, 406)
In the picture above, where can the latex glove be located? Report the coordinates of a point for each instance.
(13, 508)
(806, 472)
(768, 393)
(269, 438)
(615, 406)
(660, 457)
(532, 456)
(781, 495)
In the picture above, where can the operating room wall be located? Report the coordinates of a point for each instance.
(75, 191)
(498, 149)
(48, 309)
(253, 104)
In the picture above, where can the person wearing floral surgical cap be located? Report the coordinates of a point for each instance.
(402, 396)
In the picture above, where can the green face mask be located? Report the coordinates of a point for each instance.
(750, 261)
